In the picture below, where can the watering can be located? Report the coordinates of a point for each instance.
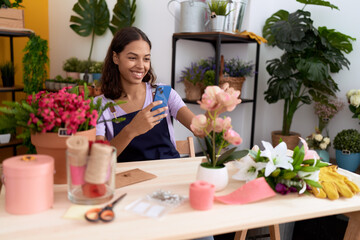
(236, 9)
(193, 15)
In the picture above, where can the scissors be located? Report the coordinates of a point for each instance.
(105, 214)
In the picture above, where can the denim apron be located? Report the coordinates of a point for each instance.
(154, 144)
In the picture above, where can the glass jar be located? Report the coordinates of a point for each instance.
(91, 178)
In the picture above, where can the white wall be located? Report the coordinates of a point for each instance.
(155, 20)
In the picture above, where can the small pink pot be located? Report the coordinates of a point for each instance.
(28, 181)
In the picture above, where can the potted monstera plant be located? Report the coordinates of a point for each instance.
(310, 55)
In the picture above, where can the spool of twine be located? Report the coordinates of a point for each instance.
(98, 163)
(77, 150)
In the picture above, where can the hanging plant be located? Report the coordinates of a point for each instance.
(35, 63)
(93, 18)
(124, 15)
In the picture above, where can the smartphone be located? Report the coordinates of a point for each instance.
(162, 93)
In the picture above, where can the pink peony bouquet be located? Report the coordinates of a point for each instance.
(218, 132)
(327, 111)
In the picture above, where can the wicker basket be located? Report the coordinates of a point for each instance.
(234, 82)
(193, 92)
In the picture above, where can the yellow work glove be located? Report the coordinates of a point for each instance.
(334, 184)
(251, 35)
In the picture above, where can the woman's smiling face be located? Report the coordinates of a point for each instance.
(133, 62)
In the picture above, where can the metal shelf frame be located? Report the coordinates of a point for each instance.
(216, 39)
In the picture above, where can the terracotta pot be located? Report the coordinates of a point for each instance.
(291, 141)
(55, 146)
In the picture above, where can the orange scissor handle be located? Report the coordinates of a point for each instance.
(106, 215)
(93, 215)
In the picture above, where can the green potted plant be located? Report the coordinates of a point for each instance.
(72, 67)
(218, 11)
(303, 73)
(347, 149)
(96, 70)
(35, 64)
(7, 71)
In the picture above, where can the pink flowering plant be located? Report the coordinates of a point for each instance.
(50, 111)
(211, 127)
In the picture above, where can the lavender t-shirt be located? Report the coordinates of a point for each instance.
(105, 127)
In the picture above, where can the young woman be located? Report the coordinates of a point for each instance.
(127, 75)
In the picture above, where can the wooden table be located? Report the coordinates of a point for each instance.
(181, 223)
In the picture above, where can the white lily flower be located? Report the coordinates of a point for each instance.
(277, 157)
(309, 175)
(248, 169)
(303, 189)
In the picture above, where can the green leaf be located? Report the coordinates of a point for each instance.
(309, 169)
(319, 3)
(93, 17)
(124, 15)
(289, 174)
(232, 156)
(313, 183)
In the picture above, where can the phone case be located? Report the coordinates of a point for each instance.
(162, 93)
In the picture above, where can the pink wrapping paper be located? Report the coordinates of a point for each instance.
(252, 191)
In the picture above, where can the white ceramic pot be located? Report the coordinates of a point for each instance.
(5, 138)
(217, 176)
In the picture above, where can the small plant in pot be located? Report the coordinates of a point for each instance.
(71, 66)
(7, 74)
(218, 13)
(347, 148)
(303, 73)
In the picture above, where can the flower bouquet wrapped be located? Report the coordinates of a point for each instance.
(284, 170)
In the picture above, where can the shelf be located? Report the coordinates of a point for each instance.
(12, 90)
(213, 37)
(195, 102)
(13, 143)
(216, 39)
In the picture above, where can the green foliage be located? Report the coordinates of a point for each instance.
(348, 139)
(93, 18)
(85, 65)
(96, 67)
(7, 70)
(35, 63)
(8, 4)
(71, 65)
(124, 15)
(303, 73)
(218, 7)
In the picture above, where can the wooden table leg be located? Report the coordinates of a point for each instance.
(274, 232)
(240, 235)
(353, 230)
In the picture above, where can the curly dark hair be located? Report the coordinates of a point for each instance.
(110, 79)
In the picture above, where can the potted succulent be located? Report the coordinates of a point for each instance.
(303, 73)
(7, 71)
(72, 67)
(347, 149)
(218, 12)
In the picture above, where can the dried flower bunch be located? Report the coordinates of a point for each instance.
(318, 141)
(215, 100)
(328, 110)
